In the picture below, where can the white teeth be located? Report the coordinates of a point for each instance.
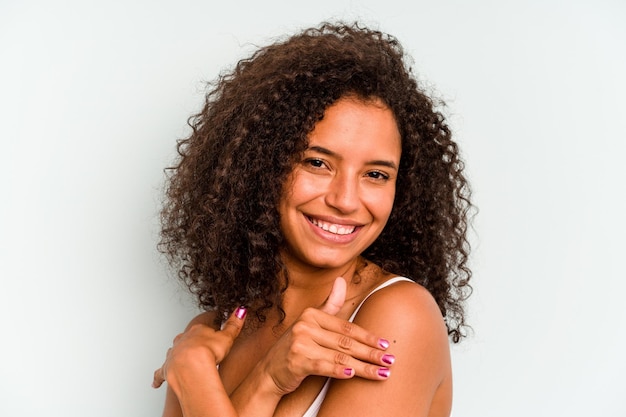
(333, 228)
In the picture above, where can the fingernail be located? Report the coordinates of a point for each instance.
(389, 359)
(348, 371)
(240, 313)
(383, 343)
(384, 372)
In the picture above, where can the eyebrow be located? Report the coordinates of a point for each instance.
(324, 151)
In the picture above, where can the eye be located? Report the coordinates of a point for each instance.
(377, 175)
(314, 162)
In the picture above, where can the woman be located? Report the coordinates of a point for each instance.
(319, 157)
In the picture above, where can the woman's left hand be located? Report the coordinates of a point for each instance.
(200, 346)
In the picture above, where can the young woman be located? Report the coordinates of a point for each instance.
(321, 190)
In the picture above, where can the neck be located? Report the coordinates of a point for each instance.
(309, 286)
(310, 278)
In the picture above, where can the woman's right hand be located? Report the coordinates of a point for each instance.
(319, 343)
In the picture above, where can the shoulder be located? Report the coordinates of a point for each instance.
(404, 307)
(400, 296)
(407, 316)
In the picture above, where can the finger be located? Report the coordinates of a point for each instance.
(338, 365)
(340, 336)
(357, 343)
(234, 324)
(363, 370)
(158, 378)
(342, 333)
(373, 368)
(336, 298)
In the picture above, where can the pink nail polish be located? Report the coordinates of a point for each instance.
(389, 359)
(240, 313)
(348, 371)
(383, 343)
(384, 372)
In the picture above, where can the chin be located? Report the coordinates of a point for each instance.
(330, 260)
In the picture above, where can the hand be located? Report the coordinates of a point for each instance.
(199, 346)
(319, 343)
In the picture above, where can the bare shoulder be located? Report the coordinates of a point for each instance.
(405, 304)
(407, 315)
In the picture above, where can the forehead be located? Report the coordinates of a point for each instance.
(353, 123)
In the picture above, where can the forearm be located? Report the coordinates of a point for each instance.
(202, 394)
(172, 406)
(257, 395)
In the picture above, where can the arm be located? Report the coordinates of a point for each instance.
(316, 344)
(172, 406)
(420, 381)
(312, 346)
(194, 386)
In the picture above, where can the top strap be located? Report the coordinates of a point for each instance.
(317, 403)
(380, 287)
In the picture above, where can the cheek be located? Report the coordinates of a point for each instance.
(385, 202)
(381, 204)
(385, 210)
(305, 188)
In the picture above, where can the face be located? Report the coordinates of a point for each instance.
(338, 198)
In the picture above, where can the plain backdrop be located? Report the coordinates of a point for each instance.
(93, 96)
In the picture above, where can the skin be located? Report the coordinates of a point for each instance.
(335, 204)
(346, 181)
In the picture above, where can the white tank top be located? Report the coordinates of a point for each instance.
(314, 408)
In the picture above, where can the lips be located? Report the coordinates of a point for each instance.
(334, 228)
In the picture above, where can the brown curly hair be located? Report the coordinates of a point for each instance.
(220, 219)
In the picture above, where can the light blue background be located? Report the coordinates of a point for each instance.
(93, 96)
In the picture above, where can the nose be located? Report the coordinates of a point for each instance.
(343, 194)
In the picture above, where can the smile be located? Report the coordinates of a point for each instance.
(337, 229)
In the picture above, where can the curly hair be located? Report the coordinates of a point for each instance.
(220, 221)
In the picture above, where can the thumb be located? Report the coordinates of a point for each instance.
(232, 327)
(336, 298)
